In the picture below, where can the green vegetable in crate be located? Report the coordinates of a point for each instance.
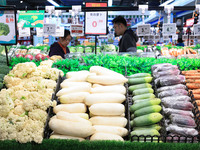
(133, 81)
(147, 110)
(4, 69)
(139, 86)
(143, 96)
(1, 85)
(146, 120)
(2, 76)
(154, 126)
(140, 75)
(143, 100)
(143, 91)
(145, 132)
(143, 104)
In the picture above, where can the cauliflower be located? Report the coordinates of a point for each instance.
(11, 81)
(38, 114)
(19, 110)
(46, 63)
(54, 72)
(21, 70)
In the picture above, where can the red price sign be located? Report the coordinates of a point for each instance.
(94, 23)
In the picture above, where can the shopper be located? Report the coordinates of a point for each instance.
(60, 48)
(128, 41)
(180, 42)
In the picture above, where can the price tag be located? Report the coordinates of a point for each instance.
(169, 28)
(151, 37)
(157, 37)
(191, 37)
(76, 29)
(174, 37)
(39, 32)
(24, 32)
(197, 29)
(59, 32)
(143, 30)
(49, 29)
(198, 37)
(165, 37)
(146, 38)
(184, 37)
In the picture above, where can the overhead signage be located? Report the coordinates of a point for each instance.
(96, 23)
(157, 37)
(24, 32)
(39, 32)
(174, 37)
(31, 18)
(143, 30)
(76, 30)
(191, 37)
(197, 29)
(60, 31)
(49, 29)
(8, 27)
(90, 4)
(184, 37)
(169, 29)
(165, 37)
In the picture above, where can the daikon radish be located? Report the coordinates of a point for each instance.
(105, 136)
(104, 71)
(70, 117)
(92, 115)
(104, 98)
(109, 89)
(77, 129)
(73, 90)
(79, 78)
(98, 85)
(106, 80)
(111, 129)
(70, 84)
(78, 97)
(82, 115)
(59, 136)
(76, 73)
(71, 108)
(109, 121)
(107, 109)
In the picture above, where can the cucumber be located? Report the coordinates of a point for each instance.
(143, 100)
(143, 91)
(154, 126)
(147, 110)
(145, 132)
(146, 120)
(142, 104)
(143, 96)
(132, 116)
(139, 86)
(133, 81)
(139, 75)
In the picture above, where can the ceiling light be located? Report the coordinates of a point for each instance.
(53, 3)
(21, 1)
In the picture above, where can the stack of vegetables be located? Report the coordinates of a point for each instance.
(145, 109)
(193, 83)
(176, 51)
(177, 106)
(4, 69)
(103, 99)
(24, 103)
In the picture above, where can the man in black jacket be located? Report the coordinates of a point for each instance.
(129, 38)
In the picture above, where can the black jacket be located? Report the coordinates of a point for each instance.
(56, 49)
(128, 41)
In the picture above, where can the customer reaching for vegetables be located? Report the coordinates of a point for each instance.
(60, 48)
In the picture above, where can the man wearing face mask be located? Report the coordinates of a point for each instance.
(60, 48)
(129, 38)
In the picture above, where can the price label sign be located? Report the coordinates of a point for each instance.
(146, 38)
(151, 37)
(76, 30)
(49, 29)
(169, 28)
(191, 37)
(39, 32)
(165, 37)
(197, 29)
(59, 32)
(143, 30)
(24, 32)
(184, 37)
(157, 37)
(174, 37)
(96, 23)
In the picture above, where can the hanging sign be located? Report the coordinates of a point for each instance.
(60, 31)
(8, 27)
(143, 30)
(24, 32)
(191, 37)
(76, 30)
(197, 29)
(31, 18)
(157, 37)
(174, 37)
(169, 29)
(165, 37)
(184, 37)
(151, 37)
(39, 32)
(49, 29)
(96, 23)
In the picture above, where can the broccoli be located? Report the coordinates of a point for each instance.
(4, 29)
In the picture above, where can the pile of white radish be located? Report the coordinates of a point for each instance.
(103, 91)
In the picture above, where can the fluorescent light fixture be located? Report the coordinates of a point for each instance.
(110, 2)
(53, 3)
(166, 3)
